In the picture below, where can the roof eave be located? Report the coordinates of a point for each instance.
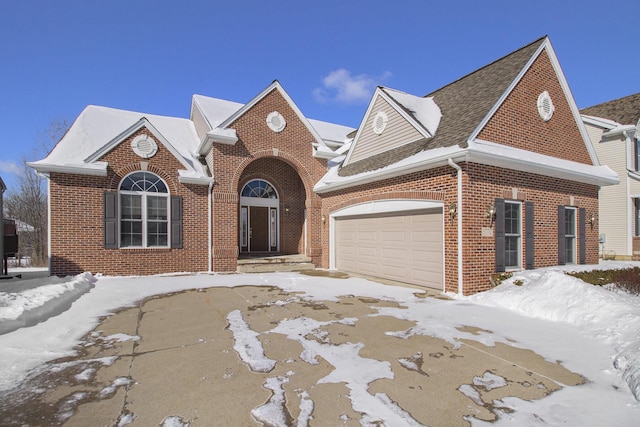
(93, 169)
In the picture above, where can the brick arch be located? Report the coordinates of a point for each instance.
(135, 167)
(407, 195)
(304, 175)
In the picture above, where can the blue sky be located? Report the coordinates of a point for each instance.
(153, 55)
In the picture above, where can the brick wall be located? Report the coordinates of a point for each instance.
(517, 122)
(285, 160)
(77, 212)
(481, 186)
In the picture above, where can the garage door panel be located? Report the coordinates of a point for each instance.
(405, 248)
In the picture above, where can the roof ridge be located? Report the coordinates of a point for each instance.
(476, 71)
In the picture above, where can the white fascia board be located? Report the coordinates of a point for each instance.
(492, 154)
(419, 162)
(599, 122)
(223, 136)
(481, 152)
(94, 169)
(187, 177)
(323, 152)
(619, 130)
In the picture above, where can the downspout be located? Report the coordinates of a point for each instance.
(459, 210)
(630, 213)
(210, 226)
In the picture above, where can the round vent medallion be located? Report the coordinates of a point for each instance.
(380, 122)
(545, 106)
(144, 146)
(276, 122)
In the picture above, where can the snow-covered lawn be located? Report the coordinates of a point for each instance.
(593, 331)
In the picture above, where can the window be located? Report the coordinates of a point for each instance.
(570, 235)
(512, 234)
(637, 155)
(144, 211)
(260, 189)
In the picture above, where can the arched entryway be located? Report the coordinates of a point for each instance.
(259, 217)
(272, 209)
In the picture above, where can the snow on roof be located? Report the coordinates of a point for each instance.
(424, 110)
(482, 152)
(215, 110)
(96, 127)
(332, 134)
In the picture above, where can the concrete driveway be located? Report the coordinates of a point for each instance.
(171, 361)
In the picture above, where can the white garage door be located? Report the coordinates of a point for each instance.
(406, 247)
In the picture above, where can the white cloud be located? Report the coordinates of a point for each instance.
(10, 167)
(342, 87)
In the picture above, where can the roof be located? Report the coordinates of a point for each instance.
(464, 103)
(221, 114)
(625, 111)
(96, 130)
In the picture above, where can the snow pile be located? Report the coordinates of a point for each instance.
(29, 302)
(613, 317)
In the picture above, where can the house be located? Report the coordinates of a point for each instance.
(615, 134)
(491, 173)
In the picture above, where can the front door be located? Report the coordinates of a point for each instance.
(259, 229)
(259, 219)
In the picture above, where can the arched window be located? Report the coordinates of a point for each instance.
(260, 189)
(144, 211)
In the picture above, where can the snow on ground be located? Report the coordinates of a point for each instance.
(591, 330)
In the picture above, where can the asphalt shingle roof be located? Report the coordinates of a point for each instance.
(625, 111)
(464, 103)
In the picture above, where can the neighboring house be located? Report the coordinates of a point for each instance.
(493, 172)
(613, 129)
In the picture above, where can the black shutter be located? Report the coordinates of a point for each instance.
(110, 220)
(500, 262)
(176, 222)
(583, 236)
(529, 236)
(561, 240)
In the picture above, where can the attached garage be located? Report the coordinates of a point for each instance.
(405, 246)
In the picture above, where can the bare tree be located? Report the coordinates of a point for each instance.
(28, 204)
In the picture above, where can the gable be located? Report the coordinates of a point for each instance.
(517, 122)
(397, 132)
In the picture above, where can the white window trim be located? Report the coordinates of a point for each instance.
(519, 235)
(574, 236)
(143, 207)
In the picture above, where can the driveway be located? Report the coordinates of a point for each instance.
(257, 355)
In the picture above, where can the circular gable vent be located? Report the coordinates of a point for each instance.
(144, 146)
(545, 106)
(276, 122)
(380, 122)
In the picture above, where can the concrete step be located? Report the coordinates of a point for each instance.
(275, 263)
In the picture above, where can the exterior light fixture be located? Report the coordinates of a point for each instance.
(491, 213)
(592, 219)
(453, 211)
(324, 219)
